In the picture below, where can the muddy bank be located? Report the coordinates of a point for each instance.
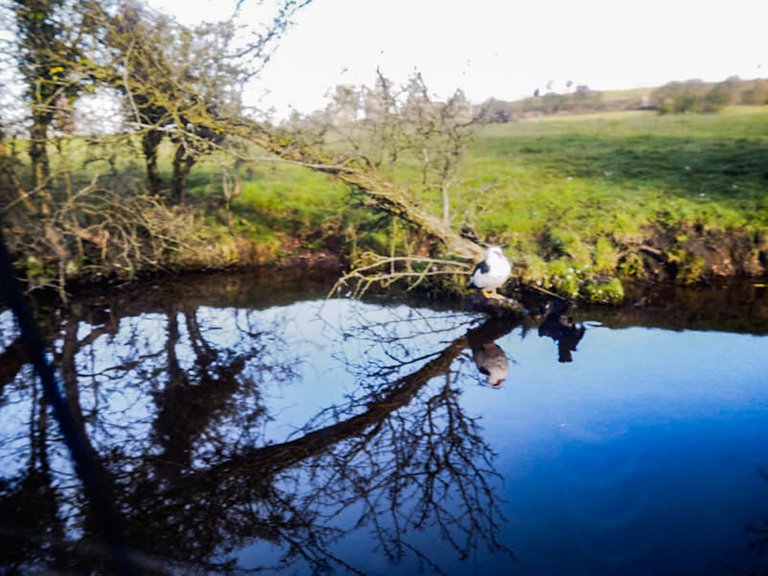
(691, 255)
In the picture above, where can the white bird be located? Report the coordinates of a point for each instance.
(490, 274)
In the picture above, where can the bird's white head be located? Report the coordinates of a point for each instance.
(494, 251)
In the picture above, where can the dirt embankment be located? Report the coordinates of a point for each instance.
(695, 254)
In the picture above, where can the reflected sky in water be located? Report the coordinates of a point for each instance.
(640, 457)
(241, 427)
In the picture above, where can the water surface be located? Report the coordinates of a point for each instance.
(241, 423)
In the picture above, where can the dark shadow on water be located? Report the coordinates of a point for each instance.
(735, 306)
(758, 542)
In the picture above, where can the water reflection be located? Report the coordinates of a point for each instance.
(172, 405)
(309, 436)
(156, 396)
(562, 329)
(759, 533)
(488, 356)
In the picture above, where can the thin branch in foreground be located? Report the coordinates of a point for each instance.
(384, 271)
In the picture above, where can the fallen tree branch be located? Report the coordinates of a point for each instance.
(387, 270)
(362, 176)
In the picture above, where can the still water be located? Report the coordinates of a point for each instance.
(242, 424)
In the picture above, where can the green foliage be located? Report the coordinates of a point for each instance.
(37, 271)
(574, 282)
(571, 198)
(695, 96)
(673, 98)
(588, 190)
(689, 267)
(602, 292)
(564, 278)
(45, 50)
(631, 266)
(613, 175)
(581, 100)
(605, 255)
(756, 93)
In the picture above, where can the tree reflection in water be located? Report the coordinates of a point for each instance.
(172, 404)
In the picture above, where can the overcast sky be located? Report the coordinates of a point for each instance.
(504, 48)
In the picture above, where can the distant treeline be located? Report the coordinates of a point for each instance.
(672, 98)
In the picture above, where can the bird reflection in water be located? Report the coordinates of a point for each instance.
(491, 360)
(202, 488)
(488, 356)
(562, 329)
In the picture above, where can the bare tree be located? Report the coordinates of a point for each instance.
(173, 80)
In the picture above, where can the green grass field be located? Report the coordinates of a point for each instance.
(580, 178)
(576, 192)
(568, 196)
(572, 193)
(613, 175)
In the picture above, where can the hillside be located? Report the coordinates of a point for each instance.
(675, 97)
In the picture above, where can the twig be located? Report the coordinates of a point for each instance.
(367, 275)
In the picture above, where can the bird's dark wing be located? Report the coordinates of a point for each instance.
(483, 268)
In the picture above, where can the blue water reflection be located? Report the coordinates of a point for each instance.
(641, 457)
(240, 430)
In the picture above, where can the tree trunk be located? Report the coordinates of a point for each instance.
(38, 154)
(150, 142)
(182, 165)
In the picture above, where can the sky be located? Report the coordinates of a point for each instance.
(501, 48)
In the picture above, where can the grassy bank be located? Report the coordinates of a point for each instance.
(632, 193)
(577, 201)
